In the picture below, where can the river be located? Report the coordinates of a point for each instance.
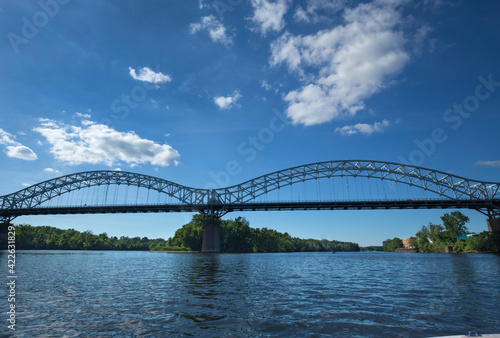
(363, 294)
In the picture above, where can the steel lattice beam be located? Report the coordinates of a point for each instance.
(444, 185)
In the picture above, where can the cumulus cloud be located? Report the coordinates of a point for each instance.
(21, 152)
(363, 128)
(51, 170)
(318, 10)
(342, 66)
(15, 149)
(202, 4)
(268, 15)
(83, 116)
(226, 102)
(147, 75)
(216, 30)
(489, 163)
(95, 143)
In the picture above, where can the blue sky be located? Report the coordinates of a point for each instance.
(179, 89)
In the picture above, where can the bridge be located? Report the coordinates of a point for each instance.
(331, 185)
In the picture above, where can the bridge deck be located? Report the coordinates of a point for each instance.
(263, 206)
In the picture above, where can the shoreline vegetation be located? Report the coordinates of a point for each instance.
(236, 237)
(452, 233)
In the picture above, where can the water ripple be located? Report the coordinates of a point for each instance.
(136, 294)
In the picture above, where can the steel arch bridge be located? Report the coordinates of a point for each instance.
(449, 191)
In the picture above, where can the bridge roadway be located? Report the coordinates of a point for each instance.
(221, 209)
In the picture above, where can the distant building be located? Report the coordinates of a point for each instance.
(464, 236)
(406, 242)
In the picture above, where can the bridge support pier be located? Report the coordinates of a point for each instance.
(211, 235)
(4, 235)
(493, 224)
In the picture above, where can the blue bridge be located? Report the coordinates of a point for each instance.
(331, 185)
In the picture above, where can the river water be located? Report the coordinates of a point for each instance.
(364, 294)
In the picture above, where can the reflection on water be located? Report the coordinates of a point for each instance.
(346, 294)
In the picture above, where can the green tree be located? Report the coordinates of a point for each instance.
(390, 245)
(479, 242)
(454, 224)
(189, 235)
(236, 236)
(45, 237)
(430, 238)
(459, 246)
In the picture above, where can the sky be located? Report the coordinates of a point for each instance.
(190, 90)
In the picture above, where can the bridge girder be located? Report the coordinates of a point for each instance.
(444, 185)
(441, 183)
(39, 193)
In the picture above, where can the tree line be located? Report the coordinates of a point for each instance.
(236, 236)
(434, 237)
(49, 238)
(372, 248)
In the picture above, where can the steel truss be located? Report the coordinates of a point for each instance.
(37, 194)
(216, 202)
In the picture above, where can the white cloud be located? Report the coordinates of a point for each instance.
(265, 85)
(363, 128)
(202, 4)
(147, 75)
(268, 15)
(318, 10)
(52, 171)
(6, 138)
(83, 116)
(99, 144)
(215, 29)
(14, 148)
(342, 66)
(226, 102)
(489, 163)
(421, 38)
(21, 152)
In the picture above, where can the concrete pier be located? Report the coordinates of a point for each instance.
(493, 224)
(4, 235)
(211, 235)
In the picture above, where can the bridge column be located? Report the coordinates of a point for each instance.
(211, 235)
(493, 224)
(4, 235)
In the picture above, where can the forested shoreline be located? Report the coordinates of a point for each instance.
(236, 236)
(49, 238)
(434, 237)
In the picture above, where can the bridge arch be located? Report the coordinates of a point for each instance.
(443, 184)
(37, 194)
